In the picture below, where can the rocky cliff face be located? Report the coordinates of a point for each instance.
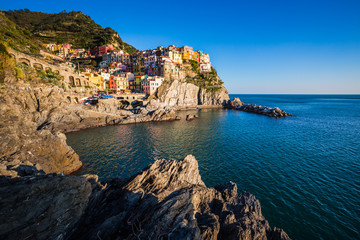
(42, 207)
(178, 93)
(24, 114)
(218, 98)
(167, 200)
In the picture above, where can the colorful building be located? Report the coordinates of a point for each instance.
(151, 84)
(122, 85)
(186, 52)
(203, 57)
(112, 83)
(100, 50)
(137, 83)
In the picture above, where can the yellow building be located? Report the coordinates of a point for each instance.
(177, 57)
(137, 82)
(195, 56)
(186, 56)
(122, 84)
(96, 80)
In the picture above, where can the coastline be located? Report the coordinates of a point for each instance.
(41, 117)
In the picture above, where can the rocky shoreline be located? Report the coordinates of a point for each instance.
(34, 122)
(166, 200)
(275, 112)
(43, 203)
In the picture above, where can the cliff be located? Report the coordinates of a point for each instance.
(191, 88)
(180, 94)
(166, 200)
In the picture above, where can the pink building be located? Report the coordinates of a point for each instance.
(100, 50)
(151, 84)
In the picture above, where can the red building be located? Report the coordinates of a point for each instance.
(99, 51)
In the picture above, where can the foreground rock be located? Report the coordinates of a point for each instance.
(167, 200)
(274, 112)
(42, 207)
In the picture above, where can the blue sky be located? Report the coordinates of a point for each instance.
(256, 46)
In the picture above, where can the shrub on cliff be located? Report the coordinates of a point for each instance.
(205, 80)
(49, 77)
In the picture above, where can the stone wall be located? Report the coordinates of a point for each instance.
(70, 77)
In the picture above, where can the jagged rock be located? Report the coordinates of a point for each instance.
(110, 105)
(268, 111)
(163, 114)
(236, 102)
(24, 115)
(8, 77)
(168, 200)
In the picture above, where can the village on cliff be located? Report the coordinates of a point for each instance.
(140, 72)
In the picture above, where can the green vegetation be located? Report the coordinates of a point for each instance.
(7, 63)
(49, 77)
(17, 38)
(72, 27)
(205, 80)
(194, 66)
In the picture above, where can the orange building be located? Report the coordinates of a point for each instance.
(112, 83)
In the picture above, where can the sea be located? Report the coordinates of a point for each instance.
(304, 169)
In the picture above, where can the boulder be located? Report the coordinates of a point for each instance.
(190, 117)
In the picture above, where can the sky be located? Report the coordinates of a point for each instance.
(258, 46)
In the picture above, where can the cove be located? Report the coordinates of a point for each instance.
(305, 169)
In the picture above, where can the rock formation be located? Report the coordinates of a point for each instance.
(25, 114)
(218, 98)
(41, 207)
(167, 200)
(274, 112)
(190, 117)
(180, 94)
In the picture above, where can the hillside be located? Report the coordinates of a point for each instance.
(67, 27)
(13, 36)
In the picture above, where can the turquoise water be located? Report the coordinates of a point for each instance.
(305, 169)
